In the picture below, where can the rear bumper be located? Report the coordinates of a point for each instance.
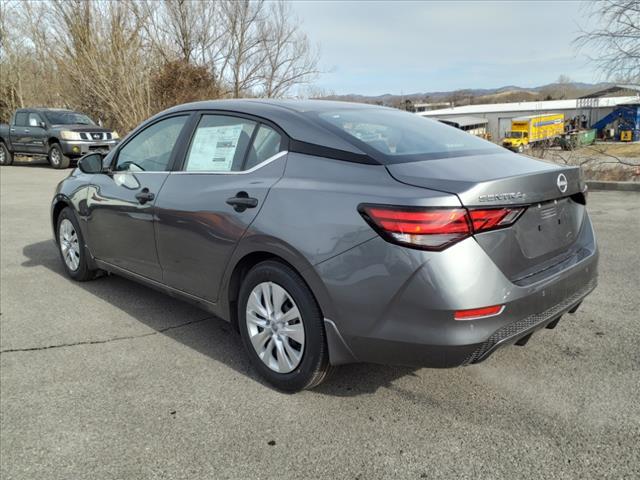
(399, 309)
(512, 332)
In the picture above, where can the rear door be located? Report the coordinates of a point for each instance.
(121, 205)
(19, 132)
(204, 209)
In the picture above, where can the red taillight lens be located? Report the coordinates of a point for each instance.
(488, 219)
(424, 222)
(434, 228)
(428, 228)
(476, 313)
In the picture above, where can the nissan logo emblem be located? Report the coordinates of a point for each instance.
(562, 183)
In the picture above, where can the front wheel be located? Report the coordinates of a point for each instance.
(5, 155)
(57, 159)
(71, 247)
(520, 148)
(282, 327)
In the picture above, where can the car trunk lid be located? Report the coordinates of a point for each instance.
(547, 231)
(497, 179)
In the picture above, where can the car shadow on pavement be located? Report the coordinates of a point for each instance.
(39, 163)
(205, 333)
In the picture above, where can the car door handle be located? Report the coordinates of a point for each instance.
(144, 196)
(242, 201)
(26, 131)
(13, 130)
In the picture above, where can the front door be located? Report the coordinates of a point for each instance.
(204, 209)
(37, 136)
(120, 222)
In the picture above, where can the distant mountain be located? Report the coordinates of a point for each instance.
(479, 95)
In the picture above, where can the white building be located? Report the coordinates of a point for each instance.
(423, 107)
(499, 115)
(474, 125)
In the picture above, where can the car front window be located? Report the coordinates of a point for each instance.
(514, 134)
(150, 150)
(69, 118)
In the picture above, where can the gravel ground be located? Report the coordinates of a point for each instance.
(602, 161)
(109, 379)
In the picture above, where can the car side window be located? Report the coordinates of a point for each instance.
(21, 119)
(34, 120)
(150, 150)
(266, 144)
(219, 144)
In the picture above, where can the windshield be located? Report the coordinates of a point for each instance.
(69, 118)
(402, 136)
(515, 134)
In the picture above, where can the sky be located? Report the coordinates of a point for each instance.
(372, 48)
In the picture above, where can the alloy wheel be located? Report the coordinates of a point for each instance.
(69, 245)
(55, 157)
(3, 157)
(275, 327)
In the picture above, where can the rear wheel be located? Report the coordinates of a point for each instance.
(71, 247)
(57, 159)
(5, 155)
(282, 327)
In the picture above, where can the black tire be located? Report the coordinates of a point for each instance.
(57, 159)
(314, 365)
(83, 272)
(5, 155)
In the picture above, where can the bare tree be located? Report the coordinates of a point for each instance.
(244, 57)
(99, 49)
(123, 60)
(616, 41)
(185, 30)
(460, 97)
(288, 58)
(26, 74)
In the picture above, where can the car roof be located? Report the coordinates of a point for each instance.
(45, 109)
(296, 117)
(250, 105)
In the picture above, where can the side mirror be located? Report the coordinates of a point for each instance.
(42, 125)
(91, 163)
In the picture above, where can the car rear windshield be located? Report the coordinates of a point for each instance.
(401, 136)
(69, 118)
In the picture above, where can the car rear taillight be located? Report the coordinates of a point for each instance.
(427, 228)
(476, 313)
(491, 218)
(434, 228)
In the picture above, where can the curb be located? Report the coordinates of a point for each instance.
(619, 186)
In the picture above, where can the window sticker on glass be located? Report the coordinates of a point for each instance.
(214, 148)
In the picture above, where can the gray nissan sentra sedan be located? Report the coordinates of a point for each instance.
(331, 233)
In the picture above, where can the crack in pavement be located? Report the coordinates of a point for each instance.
(108, 340)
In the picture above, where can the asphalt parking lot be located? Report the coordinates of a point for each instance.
(109, 379)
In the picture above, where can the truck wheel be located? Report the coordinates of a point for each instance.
(5, 155)
(520, 148)
(56, 158)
